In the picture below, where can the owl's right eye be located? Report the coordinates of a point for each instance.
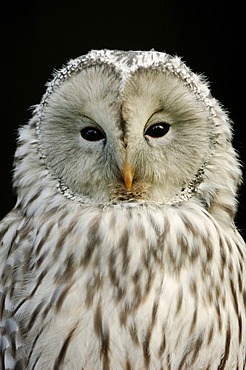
(92, 134)
(158, 130)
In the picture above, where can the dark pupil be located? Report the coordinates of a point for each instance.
(92, 134)
(157, 130)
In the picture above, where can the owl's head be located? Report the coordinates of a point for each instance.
(116, 126)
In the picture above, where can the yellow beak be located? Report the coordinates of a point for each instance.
(128, 175)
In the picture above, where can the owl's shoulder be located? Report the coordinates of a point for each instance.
(9, 224)
(8, 230)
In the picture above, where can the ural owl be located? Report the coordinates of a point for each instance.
(122, 252)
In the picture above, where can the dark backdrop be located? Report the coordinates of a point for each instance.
(40, 36)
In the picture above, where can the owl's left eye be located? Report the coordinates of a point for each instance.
(157, 130)
(92, 134)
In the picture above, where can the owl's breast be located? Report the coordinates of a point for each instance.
(134, 288)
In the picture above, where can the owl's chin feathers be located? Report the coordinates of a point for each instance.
(118, 192)
(141, 192)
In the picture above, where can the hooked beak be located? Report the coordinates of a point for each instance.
(128, 175)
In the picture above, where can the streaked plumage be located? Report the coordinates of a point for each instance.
(122, 252)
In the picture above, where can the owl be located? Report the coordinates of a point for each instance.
(121, 252)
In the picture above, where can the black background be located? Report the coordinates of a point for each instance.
(40, 36)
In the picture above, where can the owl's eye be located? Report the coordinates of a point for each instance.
(157, 130)
(92, 134)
